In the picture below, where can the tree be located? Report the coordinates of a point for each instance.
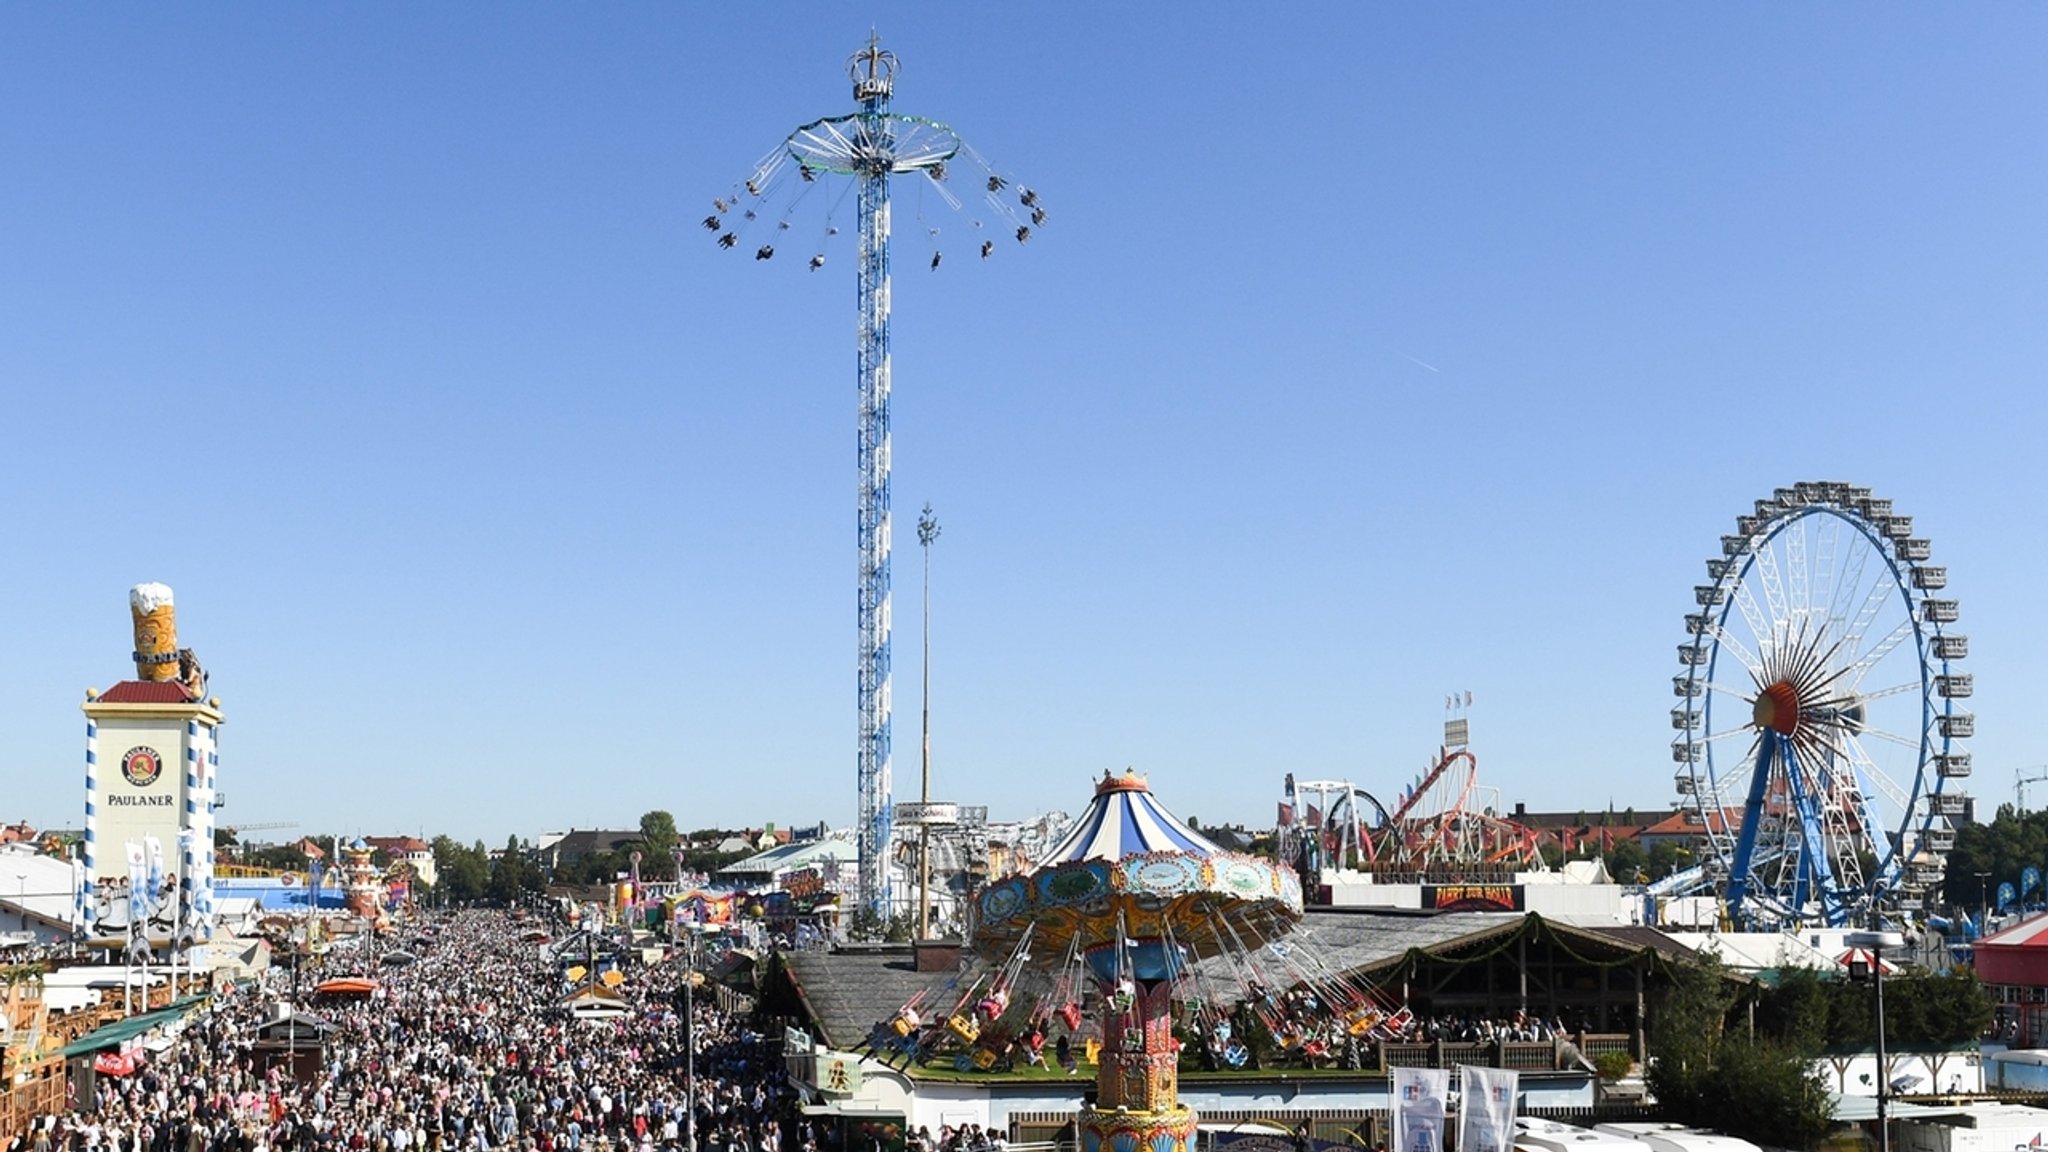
(463, 873)
(658, 848)
(1762, 1088)
(513, 876)
(1626, 862)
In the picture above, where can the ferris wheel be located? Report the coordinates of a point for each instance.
(1821, 718)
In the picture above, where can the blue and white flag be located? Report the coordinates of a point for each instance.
(1486, 1109)
(138, 886)
(1421, 1098)
(155, 848)
(81, 897)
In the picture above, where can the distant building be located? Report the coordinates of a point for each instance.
(410, 849)
(575, 846)
(36, 904)
(1595, 830)
(766, 869)
(1685, 829)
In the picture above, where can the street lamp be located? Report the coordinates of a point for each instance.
(927, 532)
(1876, 943)
(691, 978)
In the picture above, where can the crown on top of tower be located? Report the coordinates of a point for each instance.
(872, 70)
(1128, 781)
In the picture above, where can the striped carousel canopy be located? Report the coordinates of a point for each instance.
(1125, 820)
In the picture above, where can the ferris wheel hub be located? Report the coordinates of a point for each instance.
(1777, 708)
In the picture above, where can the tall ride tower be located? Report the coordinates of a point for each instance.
(868, 147)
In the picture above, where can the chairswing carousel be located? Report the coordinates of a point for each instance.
(1128, 901)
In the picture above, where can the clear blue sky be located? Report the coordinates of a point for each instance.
(1372, 351)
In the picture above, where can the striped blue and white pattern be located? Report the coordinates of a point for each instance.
(1125, 821)
(204, 756)
(92, 797)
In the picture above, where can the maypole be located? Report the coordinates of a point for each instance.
(868, 147)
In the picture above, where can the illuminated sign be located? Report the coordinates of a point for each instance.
(1472, 897)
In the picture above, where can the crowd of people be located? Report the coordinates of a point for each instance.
(463, 1050)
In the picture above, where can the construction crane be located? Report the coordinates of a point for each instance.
(2020, 781)
(236, 830)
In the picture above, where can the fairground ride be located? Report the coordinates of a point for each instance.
(791, 204)
(1447, 826)
(1821, 713)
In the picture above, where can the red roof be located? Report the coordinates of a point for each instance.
(1686, 822)
(145, 692)
(398, 843)
(2015, 955)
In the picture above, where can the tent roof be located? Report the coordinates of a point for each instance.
(124, 1029)
(2030, 934)
(1125, 820)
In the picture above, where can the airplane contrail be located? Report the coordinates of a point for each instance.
(1413, 360)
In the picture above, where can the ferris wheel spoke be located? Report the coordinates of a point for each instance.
(1752, 614)
(1798, 587)
(1824, 586)
(1913, 743)
(1883, 648)
(1913, 686)
(1845, 592)
(1766, 568)
(1725, 733)
(1874, 600)
(1728, 643)
(1870, 778)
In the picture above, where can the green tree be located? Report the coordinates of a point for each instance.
(463, 873)
(514, 876)
(1627, 862)
(658, 847)
(1760, 1088)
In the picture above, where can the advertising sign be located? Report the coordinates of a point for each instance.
(1473, 897)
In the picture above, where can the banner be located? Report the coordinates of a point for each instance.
(138, 887)
(1486, 1109)
(1473, 897)
(1421, 1096)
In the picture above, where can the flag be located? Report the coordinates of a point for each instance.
(155, 848)
(1468, 697)
(81, 896)
(1486, 1109)
(1421, 1097)
(1315, 816)
(138, 885)
(1286, 816)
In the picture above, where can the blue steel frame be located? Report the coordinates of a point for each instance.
(872, 660)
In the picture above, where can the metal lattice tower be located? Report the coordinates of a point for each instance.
(874, 74)
(868, 148)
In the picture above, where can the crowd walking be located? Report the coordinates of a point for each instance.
(463, 1050)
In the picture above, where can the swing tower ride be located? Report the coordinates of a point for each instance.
(867, 148)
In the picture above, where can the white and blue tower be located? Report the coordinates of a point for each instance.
(869, 147)
(151, 753)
